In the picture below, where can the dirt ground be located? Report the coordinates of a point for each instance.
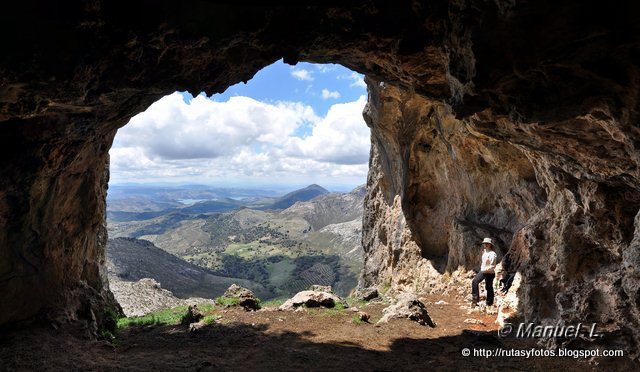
(271, 340)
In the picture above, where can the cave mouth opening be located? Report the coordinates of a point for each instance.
(78, 71)
(202, 189)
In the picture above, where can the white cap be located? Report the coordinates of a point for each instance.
(487, 240)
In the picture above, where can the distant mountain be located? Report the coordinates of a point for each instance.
(208, 206)
(316, 239)
(330, 208)
(132, 259)
(213, 206)
(139, 204)
(305, 194)
(120, 216)
(140, 208)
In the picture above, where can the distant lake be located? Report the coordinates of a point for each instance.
(192, 201)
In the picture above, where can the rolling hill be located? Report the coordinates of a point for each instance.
(131, 208)
(291, 198)
(330, 208)
(132, 259)
(315, 240)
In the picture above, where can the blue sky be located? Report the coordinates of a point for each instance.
(289, 125)
(303, 82)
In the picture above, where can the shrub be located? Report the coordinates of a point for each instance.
(227, 301)
(273, 303)
(170, 316)
(210, 319)
(356, 302)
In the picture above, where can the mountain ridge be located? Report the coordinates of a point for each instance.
(330, 208)
(131, 259)
(304, 194)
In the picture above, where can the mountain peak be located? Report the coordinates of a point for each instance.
(304, 194)
(316, 187)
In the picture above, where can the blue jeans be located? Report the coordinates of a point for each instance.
(488, 284)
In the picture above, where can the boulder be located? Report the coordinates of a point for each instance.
(193, 315)
(364, 316)
(407, 306)
(245, 297)
(312, 299)
(366, 294)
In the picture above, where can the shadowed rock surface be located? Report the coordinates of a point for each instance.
(516, 120)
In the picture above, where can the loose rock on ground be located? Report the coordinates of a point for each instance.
(245, 297)
(407, 306)
(312, 299)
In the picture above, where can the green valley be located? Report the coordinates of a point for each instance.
(314, 240)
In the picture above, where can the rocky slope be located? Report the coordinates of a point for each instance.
(147, 295)
(291, 198)
(284, 251)
(330, 208)
(131, 259)
(345, 234)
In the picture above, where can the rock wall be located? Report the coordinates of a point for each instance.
(515, 119)
(435, 189)
(53, 186)
(437, 185)
(80, 69)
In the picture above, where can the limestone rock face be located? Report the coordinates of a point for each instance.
(514, 120)
(438, 185)
(436, 189)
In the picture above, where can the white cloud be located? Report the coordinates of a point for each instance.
(302, 74)
(326, 94)
(243, 140)
(357, 80)
(324, 68)
(339, 138)
(173, 129)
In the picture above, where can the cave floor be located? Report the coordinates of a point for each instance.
(272, 340)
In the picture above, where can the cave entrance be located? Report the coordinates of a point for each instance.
(203, 189)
